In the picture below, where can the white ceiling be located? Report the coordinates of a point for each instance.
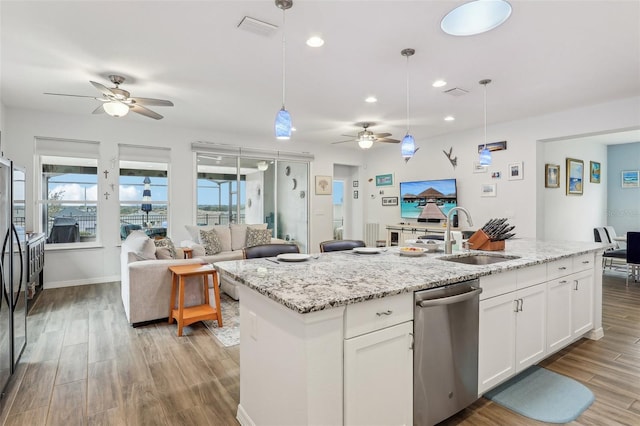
(549, 56)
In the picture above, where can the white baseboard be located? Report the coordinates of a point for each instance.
(595, 334)
(243, 417)
(74, 283)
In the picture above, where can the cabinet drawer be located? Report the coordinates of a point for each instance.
(361, 318)
(496, 284)
(559, 268)
(583, 262)
(532, 275)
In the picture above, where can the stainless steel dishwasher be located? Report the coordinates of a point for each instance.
(445, 358)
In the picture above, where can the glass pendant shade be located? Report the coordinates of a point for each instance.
(116, 109)
(365, 143)
(263, 165)
(283, 124)
(485, 157)
(408, 146)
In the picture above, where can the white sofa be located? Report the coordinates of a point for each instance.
(146, 279)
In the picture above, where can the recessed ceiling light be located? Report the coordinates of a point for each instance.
(439, 83)
(449, 118)
(293, 129)
(476, 17)
(315, 41)
(371, 99)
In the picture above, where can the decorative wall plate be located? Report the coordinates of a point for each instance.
(287, 171)
(295, 183)
(302, 194)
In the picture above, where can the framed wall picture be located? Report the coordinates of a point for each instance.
(355, 183)
(515, 171)
(478, 168)
(493, 146)
(552, 176)
(384, 180)
(355, 195)
(389, 201)
(488, 190)
(575, 176)
(594, 175)
(630, 178)
(323, 185)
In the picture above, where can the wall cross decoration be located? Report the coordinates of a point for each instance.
(106, 195)
(106, 173)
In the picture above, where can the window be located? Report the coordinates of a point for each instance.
(143, 198)
(218, 199)
(69, 199)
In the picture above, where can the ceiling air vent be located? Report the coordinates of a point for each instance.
(257, 27)
(456, 91)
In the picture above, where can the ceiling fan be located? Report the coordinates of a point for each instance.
(117, 102)
(366, 137)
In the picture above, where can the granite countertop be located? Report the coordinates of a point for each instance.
(341, 278)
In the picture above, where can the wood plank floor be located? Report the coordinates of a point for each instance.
(84, 365)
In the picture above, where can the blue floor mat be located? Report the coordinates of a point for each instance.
(543, 395)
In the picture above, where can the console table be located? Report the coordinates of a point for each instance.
(397, 234)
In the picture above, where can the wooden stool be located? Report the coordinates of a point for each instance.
(185, 316)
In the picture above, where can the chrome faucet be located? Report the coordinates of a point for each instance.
(448, 244)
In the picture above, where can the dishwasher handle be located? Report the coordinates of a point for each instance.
(447, 300)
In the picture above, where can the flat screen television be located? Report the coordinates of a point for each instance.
(427, 200)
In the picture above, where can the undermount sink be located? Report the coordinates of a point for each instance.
(480, 259)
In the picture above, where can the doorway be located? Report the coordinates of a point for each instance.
(347, 209)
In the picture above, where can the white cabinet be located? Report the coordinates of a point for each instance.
(497, 340)
(512, 334)
(569, 309)
(378, 377)
(582, 303)
(378, 361)
(530, 325)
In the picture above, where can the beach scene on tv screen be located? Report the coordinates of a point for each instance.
(427, 200)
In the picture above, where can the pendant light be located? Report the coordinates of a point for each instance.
(408, 145)
(485, 154)
(283, 118)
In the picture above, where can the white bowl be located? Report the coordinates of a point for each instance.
(412, 251)
(429, 246)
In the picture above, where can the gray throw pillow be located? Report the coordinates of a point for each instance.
(256, 237)
(166, 243)
(211, 242)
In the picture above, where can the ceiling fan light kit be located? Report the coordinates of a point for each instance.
(476, 17)
(115, 108)
(117, 102)
(283, 123)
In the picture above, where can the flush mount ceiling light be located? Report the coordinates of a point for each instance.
(408, 145)
(485, 154)
(116, 108)
(283, 118)
(449, 118)
(476, 17)
(439, 83)
(371, 100)
(262, 165)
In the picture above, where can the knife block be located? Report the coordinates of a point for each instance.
(480, 241)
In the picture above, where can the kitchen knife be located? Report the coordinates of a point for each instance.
(505, 236)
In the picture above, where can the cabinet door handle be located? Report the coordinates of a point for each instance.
(387, 312)
(521, 304)
(576, 287)
(517, 303)
(411, 341)
(562, 282)
(586, 262)
(562, 268)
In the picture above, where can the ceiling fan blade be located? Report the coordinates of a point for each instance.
(349, 140)
(102, 89)
(350, 136)
(151, 102)
(145, 111)
(75, 96)
(99, 110)
(388, 140)
(381, 135)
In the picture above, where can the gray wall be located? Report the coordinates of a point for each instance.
(623, 205)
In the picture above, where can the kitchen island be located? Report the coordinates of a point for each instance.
(308, 328)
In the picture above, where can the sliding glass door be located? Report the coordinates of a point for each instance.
(243, 189)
